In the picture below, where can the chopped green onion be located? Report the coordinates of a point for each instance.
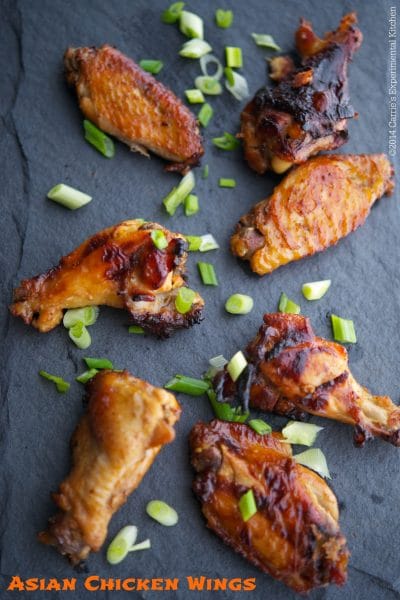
(135, 329)
(178, 194)
(162, 513)
(121, 544)
(205, 168)
(191, 205)
(304, 434)
(236, 84)
(211, 59)
(195, 96)
(159, 239)
(225, 182)
(288, 306)
(184, 300)
(208, 85)
(194, 242)
(207, 273)
(343, 330)
(98, 139)
(314, 459)
(145, 545)
(87, 315)
(80, 335)
(315, 289)
(205, 114)
(151, 66)
(265, 40)
(247, 505)
(86, 375)
(98, 363)
(226, 141)
(218, 361)
(223, 18)
(208, 242)
(233, 57)
(61, 385)
(195, 49)
(68, 196)
(224, 411)
(191, 25)
(173, 13)
(229, 75)
(236, 365)
(260, 426)
(187, 385)
(239, 304)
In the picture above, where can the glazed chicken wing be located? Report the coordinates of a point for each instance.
(130, 104)
(119, 267)
(294, 536)
(126, 424)
(307, 111)
(315, 205)
(292, 371)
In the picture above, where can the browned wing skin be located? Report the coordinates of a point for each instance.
(294, 536)
(307, 111)
(312, 208)
(126, 424)
(119, 267)
(292, 371)
(130, 104)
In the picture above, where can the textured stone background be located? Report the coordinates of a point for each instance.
(41, 145)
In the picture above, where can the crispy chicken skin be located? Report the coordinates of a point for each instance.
(312, 208)
(119, 267)
(294, 536)
(291, 371)
(126, 424)
(307, 111)
(130, 104)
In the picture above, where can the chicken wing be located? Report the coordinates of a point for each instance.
(120, 267)
(315, 205)
(126, 424)
(307, 111)
(291, 371)
(294, 536)
(130, 104)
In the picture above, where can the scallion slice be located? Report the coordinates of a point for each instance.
(218, 361)
(343, 330)
(233, 56)
(191, 205)
(229, 75)
(195, 96)
(145, 545)
(194, 242)
(184, 300)
(191, 25)
(288, 306)
(68, 196)
(225, 182)
(121, 544)
(260, 426)
(98, 363)
(226, 141)
(239, 304)
(236, 84)
(314, 459)
(205, 114)
(236, 365)
(207, 273)
(208, 85)
(151, 66)
(87, 315)
(86, 376)
(265, 40)
(187, 385)
(162, 513)
(61, 385)
(178, 194)
(80, 335)
(98, 139)
(304, 434)
(247, 505)
(205, 168)
(159, 239)
(224, 411)
(314, 290)
(211, 59)
(195, 49)
(135, 329)
(173, 13)
(208, 242)
(223, 18)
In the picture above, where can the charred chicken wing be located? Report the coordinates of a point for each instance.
(307, 111)
(315, 205)
(291, 371)
(294, 536)
(126, 424)
(119, 267)
(130, 104)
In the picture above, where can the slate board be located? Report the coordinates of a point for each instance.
(41, 145)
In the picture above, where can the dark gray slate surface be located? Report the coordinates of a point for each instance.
(41, 145)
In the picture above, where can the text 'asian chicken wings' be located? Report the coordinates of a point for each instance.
(130, 104)
(294, 535)
(307, 111)
(120, 267)
(126, 424)
(312, 208)
(292, 371)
